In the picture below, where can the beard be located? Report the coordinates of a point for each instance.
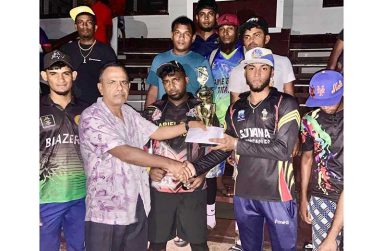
(177, 96)
(258, 88)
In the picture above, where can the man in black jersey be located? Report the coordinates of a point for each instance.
(176, 209)
(62, 177)
(262, 129)
(322, 160)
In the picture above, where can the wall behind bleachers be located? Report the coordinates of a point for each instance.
(301, 16)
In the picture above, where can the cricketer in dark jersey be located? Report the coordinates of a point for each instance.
(62, 176)
(267, 135)
(185, 212)
(323, 133)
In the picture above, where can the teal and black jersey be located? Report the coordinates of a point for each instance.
(322, 133)
(62, 176)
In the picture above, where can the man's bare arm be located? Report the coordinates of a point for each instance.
(151, 96)
(306, 162)
(289, 88)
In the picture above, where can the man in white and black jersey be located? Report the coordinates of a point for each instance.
(262, 129)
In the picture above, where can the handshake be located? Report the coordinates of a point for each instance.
(182, 171)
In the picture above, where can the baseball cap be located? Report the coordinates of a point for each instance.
(169, 67)
(258, 22)
(206, 4)
(258, 55)
(56, 56)
(228, 19)
(326, 89)
(80, 9)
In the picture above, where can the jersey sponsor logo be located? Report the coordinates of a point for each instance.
(64, 138)
(281, 222)
(192, 113)
(241, 115)
(255, 135)
(76, 119)
(47, 121)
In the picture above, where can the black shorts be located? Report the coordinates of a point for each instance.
(181, 214)
(133, 237)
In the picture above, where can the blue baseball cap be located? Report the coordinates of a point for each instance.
(326, 89)
(258, 55)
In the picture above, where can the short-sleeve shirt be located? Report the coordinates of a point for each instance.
(205, 47)
(62, 176)
(190, 61)
(221, 67)
(113, 186)
(85, 85)
(323, 134)
(104, 19)
(283, 73)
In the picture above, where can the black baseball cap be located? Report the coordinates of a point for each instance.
(206, 4)
(258, 22)
(168, 67)
(56, 56)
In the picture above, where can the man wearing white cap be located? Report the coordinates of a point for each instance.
(322, 159)
(262, 128)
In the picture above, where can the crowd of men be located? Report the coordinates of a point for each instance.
(112, 178)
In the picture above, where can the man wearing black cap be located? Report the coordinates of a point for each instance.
(62, 178)
(322, 160)
(88, 55)
(255, 33)
(206, 15)
(176, 209)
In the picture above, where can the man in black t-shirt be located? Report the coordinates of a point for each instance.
(262, 127)
(88, 55)
(322, 159)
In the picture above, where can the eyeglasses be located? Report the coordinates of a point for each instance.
(179, 34)
(123, 83)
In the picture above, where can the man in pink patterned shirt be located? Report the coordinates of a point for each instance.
(112, 136)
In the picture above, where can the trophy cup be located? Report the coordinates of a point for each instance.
(205, 110)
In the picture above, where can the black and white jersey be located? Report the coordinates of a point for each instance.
(267, 133)
(62, 176)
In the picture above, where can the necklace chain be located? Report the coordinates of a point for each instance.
(256, 106)
(89, 49)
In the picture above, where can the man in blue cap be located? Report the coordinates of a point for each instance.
(322, 159)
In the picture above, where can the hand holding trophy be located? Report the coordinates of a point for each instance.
(206, 109)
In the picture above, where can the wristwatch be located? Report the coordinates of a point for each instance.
(187, 125)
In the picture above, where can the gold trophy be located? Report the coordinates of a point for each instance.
(206, 109)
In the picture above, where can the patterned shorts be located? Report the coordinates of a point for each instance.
(322, 211)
